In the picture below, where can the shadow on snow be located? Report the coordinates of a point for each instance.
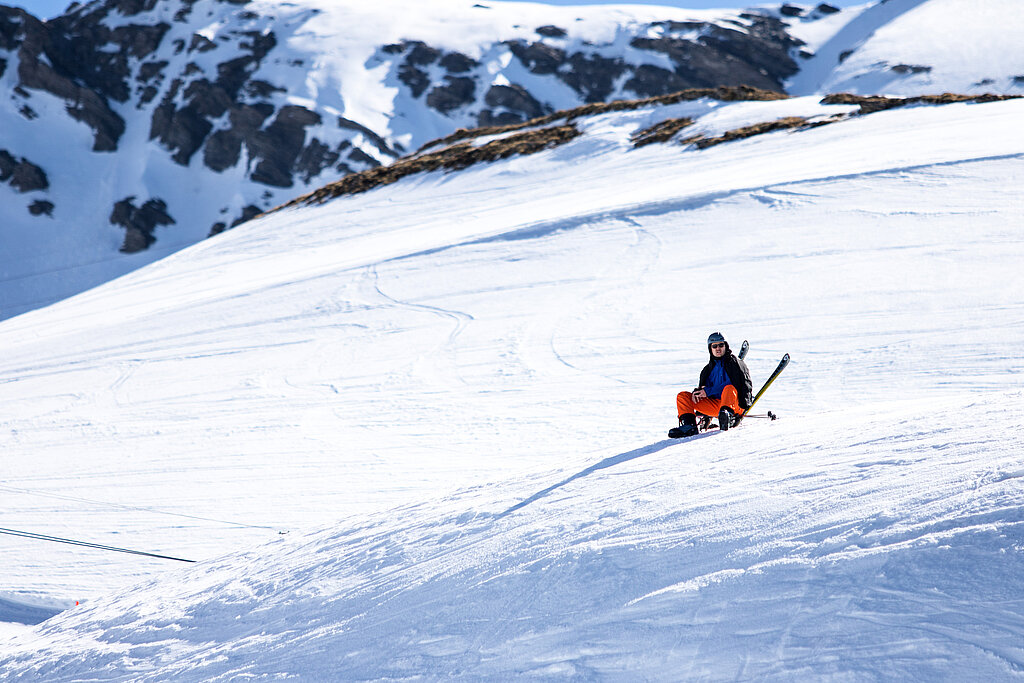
(604, 464)
(21, 613)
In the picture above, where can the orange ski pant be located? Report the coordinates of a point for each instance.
(709, 406)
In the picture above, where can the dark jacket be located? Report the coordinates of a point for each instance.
(739, 375)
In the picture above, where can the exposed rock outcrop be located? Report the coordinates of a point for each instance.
(278, 145)
(593, 76)
(510, 104)
(457, 63)
(139, 222)
(184, 119)
(7, 165)
(457, 91)
(539, 58)
(552, 31)
(910, 69)
(703, 54)
(758, 56)
(22, 174)
(50, 61)
(314, 158)
(27, 177)
(182, 130)
(224, 147)
(41, 207)
(374, 139)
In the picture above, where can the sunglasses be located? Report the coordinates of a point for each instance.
(720, 345)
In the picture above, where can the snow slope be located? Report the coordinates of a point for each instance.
(419, 432)
(911, 47)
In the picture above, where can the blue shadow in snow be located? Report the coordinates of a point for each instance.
(20, 613)
(604, 464)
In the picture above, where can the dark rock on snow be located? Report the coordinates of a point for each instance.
(139, 222)
(27, 177)
(456, 92)
(539, 58)
(22, 174)
(279, 144)
(551, 31)
(7, 165)
(41, 207)
(457, 63)
(518, 103)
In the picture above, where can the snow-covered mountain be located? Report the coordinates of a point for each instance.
(913, 47)
(142, 127)
(132, 128)
(417, 432)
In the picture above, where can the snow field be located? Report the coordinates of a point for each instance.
(464, 382)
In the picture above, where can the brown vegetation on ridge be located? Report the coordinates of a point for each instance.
(659, 132)
(740, 93)
(701, 142)
(872, 103)
(452, 158)
(868, 105)
(537, 134)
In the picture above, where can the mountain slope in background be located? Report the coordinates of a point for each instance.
(463, 379)
(133, 128)
(914, 47)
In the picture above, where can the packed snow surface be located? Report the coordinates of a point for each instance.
(419, 432)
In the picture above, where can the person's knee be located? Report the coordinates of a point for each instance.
(731, 398)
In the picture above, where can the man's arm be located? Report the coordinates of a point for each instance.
(739, 377)
(715, 390)
(699, 394)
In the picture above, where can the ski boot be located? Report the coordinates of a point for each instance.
(726, 419)
(687, 427)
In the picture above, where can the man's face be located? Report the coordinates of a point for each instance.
(718, 349)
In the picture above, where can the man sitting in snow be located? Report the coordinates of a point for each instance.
(724, 390)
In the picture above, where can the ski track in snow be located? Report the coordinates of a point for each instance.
(470, 403)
